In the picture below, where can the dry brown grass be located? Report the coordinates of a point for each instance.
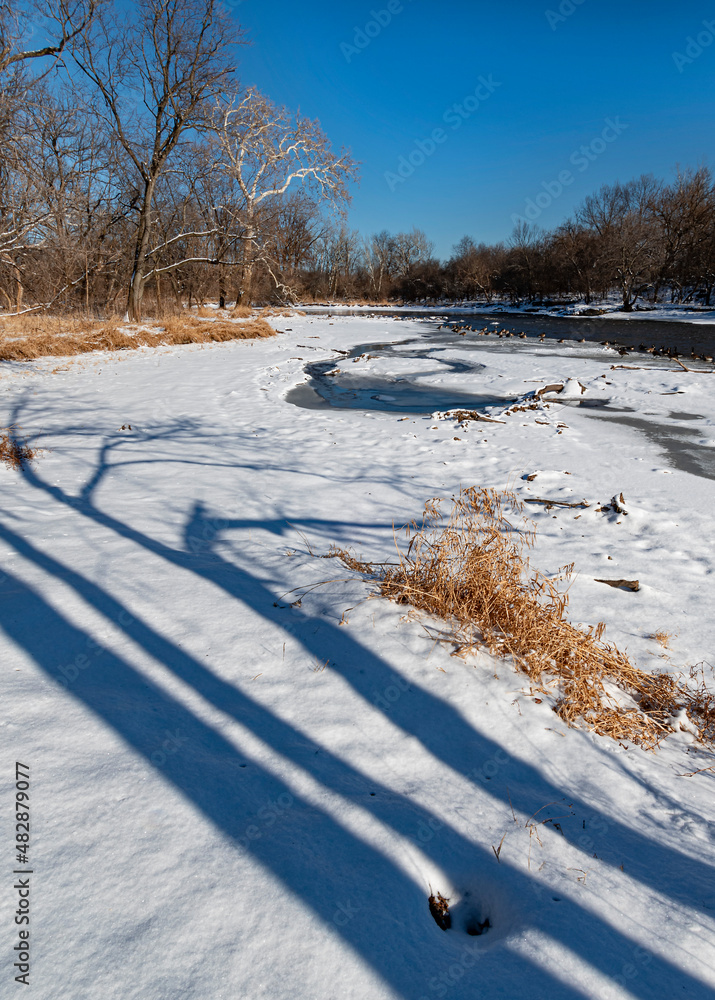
(241, 312)
(701, 704)
(284, 313)
(24, 338)
(662, 638)
(12, 451)
(471, 569)
(187, 330)
(45, 324)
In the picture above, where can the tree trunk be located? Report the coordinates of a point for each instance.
(136, 286)
(244, 291)
(176, 290)
(110, 294)
(221, 286)
(136, 294)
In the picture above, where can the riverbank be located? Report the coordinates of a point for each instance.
(610, 310)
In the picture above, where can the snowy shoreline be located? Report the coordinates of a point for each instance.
(578, 311)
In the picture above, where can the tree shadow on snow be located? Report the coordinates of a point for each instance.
(359, 902)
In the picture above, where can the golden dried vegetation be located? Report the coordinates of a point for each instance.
(14, 452)
(470, 568)
(24, 338)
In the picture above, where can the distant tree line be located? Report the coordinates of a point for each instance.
(644, 240)
(137, 174)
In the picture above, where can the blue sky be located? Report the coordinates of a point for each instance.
(552, 83)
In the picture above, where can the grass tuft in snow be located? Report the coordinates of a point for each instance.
(662, 637)
(471, 569)
(12, 451)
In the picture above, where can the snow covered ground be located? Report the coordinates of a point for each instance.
(244, 785)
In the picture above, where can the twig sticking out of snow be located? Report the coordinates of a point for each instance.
(555, 503)
(622, 584)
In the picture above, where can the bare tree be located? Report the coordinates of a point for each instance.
(622, 216)
(474, 268)
(379, 261)
(525, 246)
(21, 214)
(685, 214)
(20, 22)
(344, 256)
(62, 196)
(62, 23)
(297, 226)
(195, 223)
(211, 208)
(154, 76)
(577, 249)
(410, 249)
(266, 150)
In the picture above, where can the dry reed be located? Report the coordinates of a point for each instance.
(285, 313)
(662, 638)
(24, 338)
(186, 330)
(471, 570)
(12, 451)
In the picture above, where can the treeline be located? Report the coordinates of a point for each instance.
(646, 239)
(136, 174)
